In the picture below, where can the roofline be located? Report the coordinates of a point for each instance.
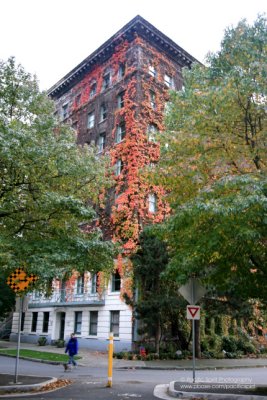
(136, 25)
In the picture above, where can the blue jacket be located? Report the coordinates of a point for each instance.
(72, 347)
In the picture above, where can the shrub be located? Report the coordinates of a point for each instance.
(42, 341)
(246, 347)
(211, 344)
(229, 344)
(60, 343)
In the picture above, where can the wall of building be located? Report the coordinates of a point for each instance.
(125, 209)
(112, 301)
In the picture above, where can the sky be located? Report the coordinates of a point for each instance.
(50, 37)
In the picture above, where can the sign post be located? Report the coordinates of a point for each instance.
(192, 292)
(193, 313)
(18, 343)
(19, 281)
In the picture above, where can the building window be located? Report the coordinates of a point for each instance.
(151, 132)
(106, 81)
(22, 321)
(34, 321)
(92, 90)
(120, 100)
(152, 71)
(65, 111)
(103, 112)
(75, 126)
(115, 322)
(101, 142)
(94, 283)
(152, 203)
(93, 315)
(118, 167)
(116, 282)
(168, 81)
(80, 284)
(77, 100)
(121, 71)
(91, 120)
(78, 322)
(45, 321)
(120, 133)
(152, 99)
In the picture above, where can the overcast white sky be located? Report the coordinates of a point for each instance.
(50, 37)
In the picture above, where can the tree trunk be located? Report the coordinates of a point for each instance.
(157, 336)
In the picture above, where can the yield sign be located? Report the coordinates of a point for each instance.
(192, 312)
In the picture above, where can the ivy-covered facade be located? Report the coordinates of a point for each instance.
(115, 100)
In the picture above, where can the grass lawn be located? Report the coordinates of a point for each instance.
(38, 355)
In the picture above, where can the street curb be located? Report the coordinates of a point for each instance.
(190, 368)
(34, 359)
(25, 388)
(211, 396)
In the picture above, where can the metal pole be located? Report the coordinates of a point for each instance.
(194, 357)
(110, 359)
(193, 331)
(18, 343)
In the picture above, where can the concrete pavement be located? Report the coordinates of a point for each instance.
(94, 358)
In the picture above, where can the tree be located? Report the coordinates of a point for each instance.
(216, 126)
(158, 304)
(7, 296)
(48, 186)
(220, 236)
(213, 163)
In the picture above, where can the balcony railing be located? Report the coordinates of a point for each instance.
(65, 297)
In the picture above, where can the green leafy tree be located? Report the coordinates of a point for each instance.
(158, 305)
(217, 124)
(48, 186)
(7, 296)
(213, 164)
(220, 236)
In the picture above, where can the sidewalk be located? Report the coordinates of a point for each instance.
(92, 358)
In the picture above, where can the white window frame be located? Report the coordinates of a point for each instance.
(121, 70)
(65, 111)
(80, 285)
(93, 323)
(78, 317)
(118, 167)
(152, 99)
(152, 203)
(106, 80)
(151, 132)
(92, 90)
(103, 112)
(120, 133)
(152, 70)
(115, 323)
(91, 120)
(168, 80)
(115, 282)
(101, 142)
(121, 100)
(93, 283)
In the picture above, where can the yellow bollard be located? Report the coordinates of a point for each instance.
(110, 359)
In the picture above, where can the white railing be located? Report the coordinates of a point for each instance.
(65, 296)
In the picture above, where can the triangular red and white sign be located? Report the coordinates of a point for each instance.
(193, 312)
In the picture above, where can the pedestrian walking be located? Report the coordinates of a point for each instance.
(72, 349)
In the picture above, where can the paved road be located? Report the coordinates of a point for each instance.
(90, 382)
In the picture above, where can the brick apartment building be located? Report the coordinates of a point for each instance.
(114, 99)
